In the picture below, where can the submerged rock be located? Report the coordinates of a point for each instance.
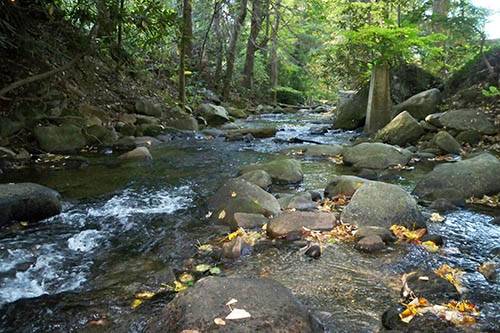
(240, 196)
(139, 153)
(282, 171)
(27, 202)
(271, 306)
(60, 139)
(382, 205)
(421, 104)
(460, 180)
(293, 222)
(403, 129)
(375, 156)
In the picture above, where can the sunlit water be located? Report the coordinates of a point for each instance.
(124, 228)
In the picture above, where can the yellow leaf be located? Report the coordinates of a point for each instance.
(136, 303)
(233, 194)
(219, 321)
(186, 278)
(205, 248)
(430, 246)
(222, 214)
(24, 223)
(202, 268)
(145, 295)
(404, 234)
(178, 286)
(436, 217)
(451, 275)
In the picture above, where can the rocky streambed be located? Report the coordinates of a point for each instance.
(132, 236)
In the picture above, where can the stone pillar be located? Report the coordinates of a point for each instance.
(379, 109)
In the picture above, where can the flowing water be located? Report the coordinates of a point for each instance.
(126, 227)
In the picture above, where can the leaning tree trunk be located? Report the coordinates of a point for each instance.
(379, 109)
(252, 43)
(219, 49)
(231, 53)
(274, 53)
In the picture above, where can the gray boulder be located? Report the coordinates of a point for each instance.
(344, 185)
(250, 221)
(271, 306)
(27, 202)
(382, 205)
(468, 119)
(375, 156)
(446, 143)
(421, 104)
(293, 222)
(370, 244)
(259, 132)
(475, 176)
(258, 177)
(213, 114)
(148, 108)
(98, 134)
(403, 129)
(299, 201)
(182, 122)
(351, 110)
(282, 171)
(60, 139)
(240, 196)
(434, 119)
(138, 154)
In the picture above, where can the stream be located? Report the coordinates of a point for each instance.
(126, 227)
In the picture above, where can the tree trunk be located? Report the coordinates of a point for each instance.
(188, 29)
(183, 49)
(379, 109)
(252, 43)
(219, 50)
(440, 9)
(274, 53)
(231, 52)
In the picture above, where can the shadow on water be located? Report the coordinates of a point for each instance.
(128, 227)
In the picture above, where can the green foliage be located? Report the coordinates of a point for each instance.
(287, 95)
(491, 91)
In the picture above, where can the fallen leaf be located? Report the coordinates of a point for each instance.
(451, 275)
(436, 217)
(145, 295)
(219, 321)
(205, 248)
(136, 303)
(404, 234)
(232, 301)
(179, 286)
(222, 214)
(24, 223)
(202, 268)
(233, 194)
(430, 246)
(238, 314)
(215, 271)
(186, 278)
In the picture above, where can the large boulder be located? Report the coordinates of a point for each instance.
(421, 104)
(98, 134)
(27, 202)
(293, 222)
(351, 111)
(213, 114)
(240, 196)
(468, 119)
(375, 156)
(382, 205)
(299, 201)
(444, 141)
(271, 306)
(258, 177)
(475, 176)
(403, 129)
(182, 122)
(259, 132)
(60, 139)
(282, 171)
(344, 185)
(148, 108)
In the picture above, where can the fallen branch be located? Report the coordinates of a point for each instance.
(38, 77)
